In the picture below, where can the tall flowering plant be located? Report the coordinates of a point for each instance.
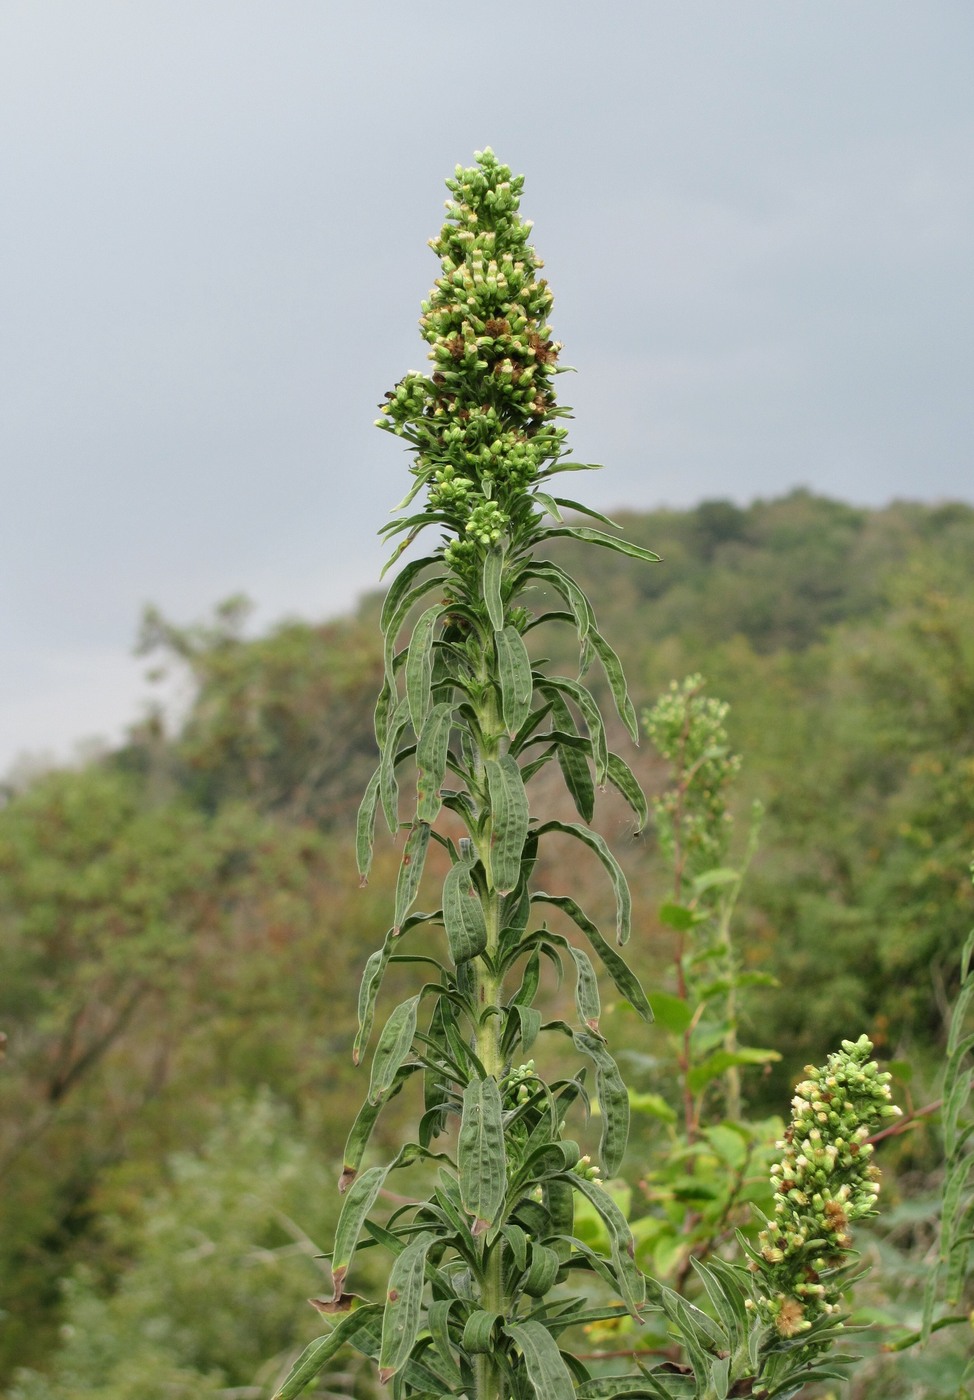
(470, 717)
(479, 1299)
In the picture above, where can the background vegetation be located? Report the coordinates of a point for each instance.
(181, 933)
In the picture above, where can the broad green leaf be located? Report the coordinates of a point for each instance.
(595, 843)
(654, 1105)
(431, 752)
(622, 975)
(549, 1376)
(509, 821)
(419, 666)
(542, 1271)
(394, 1045)
(493, 573)
(514, 674)
(678, 916)
(359, 1200)
(463, 914)
(365, 827)
(701, 1075)
(404, 1297)
(314, 1357)
(613, 1101)
(481, 1156)
(411, 871)
(672, 1012)
(590, 536)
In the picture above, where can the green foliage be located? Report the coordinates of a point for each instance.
(219, 1266)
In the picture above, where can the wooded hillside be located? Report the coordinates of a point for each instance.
(182, 932)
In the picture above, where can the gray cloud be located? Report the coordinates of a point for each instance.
(757, 220)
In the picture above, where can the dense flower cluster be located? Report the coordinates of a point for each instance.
(824, 1181)
(482, 423)
(687, 727)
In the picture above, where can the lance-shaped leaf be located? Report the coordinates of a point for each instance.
(395, 621)
(613, 1101)
(388, 786)
(393, 600)
(404, 1297)
(314, 1357)
(481, 1157)
(622, 975)
(624, 780)
(571, 749)
(438, 1321)
(394, 1045)
(591, 714)
(629, 1280)
(514, 674)
(615, 675)
(365, 827)
(587, 1001)
(367, 993)
(463, 914)
(492, 575)
(570, 590)
(411, 871)
(419, 666)
(509, 821)
(595, 843)
(431, 751)
(586, 510)
(361, 1129)
(590, 536)
(359, 1200)
(546, 1370)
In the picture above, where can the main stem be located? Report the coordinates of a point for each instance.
(488, 1031)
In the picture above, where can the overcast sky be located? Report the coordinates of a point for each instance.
(757, 218)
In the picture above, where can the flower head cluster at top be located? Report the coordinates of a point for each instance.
(482, 422)
(824, 1181)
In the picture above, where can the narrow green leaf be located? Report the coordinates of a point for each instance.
(549, 1376)
(419, 666)
(438, 1320)
(463, 914)
(569, 589)
(587, 1001)
(493, 573)
(542, 1271)
(514, 673)
(624, 780)
(550, 505)
(622, 975)
(396, 619)
(404, 1296)
(613, 1101)
(478, 1333)
(590, 536)
(394, 1045)
(411, 871)
(365, 827)
(399, 586)
(629, 1280)
(716, 1064)
(431, 752)
(388, 786)
(361, 1129)
(509, 821)
(358, 1201)
(595, 843)
(367, 993)
(570, 752)
(481, 1155)
(587, 510)
(615, 675)
(592, 716)
(314, 1357)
